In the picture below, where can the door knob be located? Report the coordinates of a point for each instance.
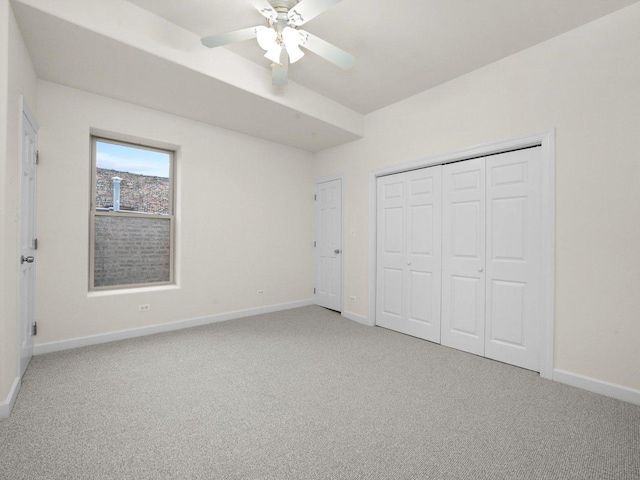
(408, 263)
(28, 259)
(336, 251)
(480, 269)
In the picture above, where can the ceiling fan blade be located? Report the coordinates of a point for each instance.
(308, 9)
(265, 9)
(231, 37)
(280, 72)
(326, 50)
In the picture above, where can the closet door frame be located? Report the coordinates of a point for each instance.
(546, 140)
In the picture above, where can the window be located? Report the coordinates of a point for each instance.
(132, 215)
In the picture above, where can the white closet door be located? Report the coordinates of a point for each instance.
(409, 253)
(513, 257)
(463, 255)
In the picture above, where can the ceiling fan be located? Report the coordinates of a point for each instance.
(282, 38)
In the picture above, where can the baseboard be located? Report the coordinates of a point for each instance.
(607, 389)
(357, 318)
(51, 347)
(7, 405)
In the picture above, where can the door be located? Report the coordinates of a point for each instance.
(328, 244)
(514, 206)
(27, 225)
(463, 255)
(408, 253)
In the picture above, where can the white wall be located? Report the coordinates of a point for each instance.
(586, 83)
(244, 219)
(20, 79)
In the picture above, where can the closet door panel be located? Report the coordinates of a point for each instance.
(420, 293)
(390, 244)
(463, 255)
(513, 257)
(464, 314)
(409, 252)
(392, 292)
(424, 207)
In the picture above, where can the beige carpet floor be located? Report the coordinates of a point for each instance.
(305, 394)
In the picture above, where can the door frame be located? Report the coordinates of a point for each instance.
(342, 234)
(25, 113)
(546, 140)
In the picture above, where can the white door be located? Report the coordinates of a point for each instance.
(328, 245)
(408, 253)
(27, 221)
(513, 272)
(463, 255)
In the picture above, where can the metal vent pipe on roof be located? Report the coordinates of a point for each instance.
(116, 193)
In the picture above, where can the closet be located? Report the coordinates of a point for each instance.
(458, 255)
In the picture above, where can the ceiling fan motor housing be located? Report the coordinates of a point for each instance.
(283, 6)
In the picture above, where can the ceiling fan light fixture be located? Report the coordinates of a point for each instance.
(295, 53)
(273, 53)
(267, 38)
(292, 39)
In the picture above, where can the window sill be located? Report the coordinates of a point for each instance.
(122, 291)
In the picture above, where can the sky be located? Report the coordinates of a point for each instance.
(133, 160)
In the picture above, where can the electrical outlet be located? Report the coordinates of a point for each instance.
(260, 292)
(144, 307)
(353, 298)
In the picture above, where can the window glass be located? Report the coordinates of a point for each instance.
(143, 175)
(131, 250)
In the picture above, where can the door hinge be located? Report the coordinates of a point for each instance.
(37, 158)
(35, 328)
(314, 244)
(315, 197)
(35, 243)
(314, 291)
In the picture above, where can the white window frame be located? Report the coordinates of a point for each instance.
(170, 217)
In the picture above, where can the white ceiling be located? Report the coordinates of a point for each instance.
(147, 52)
(402, 47)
